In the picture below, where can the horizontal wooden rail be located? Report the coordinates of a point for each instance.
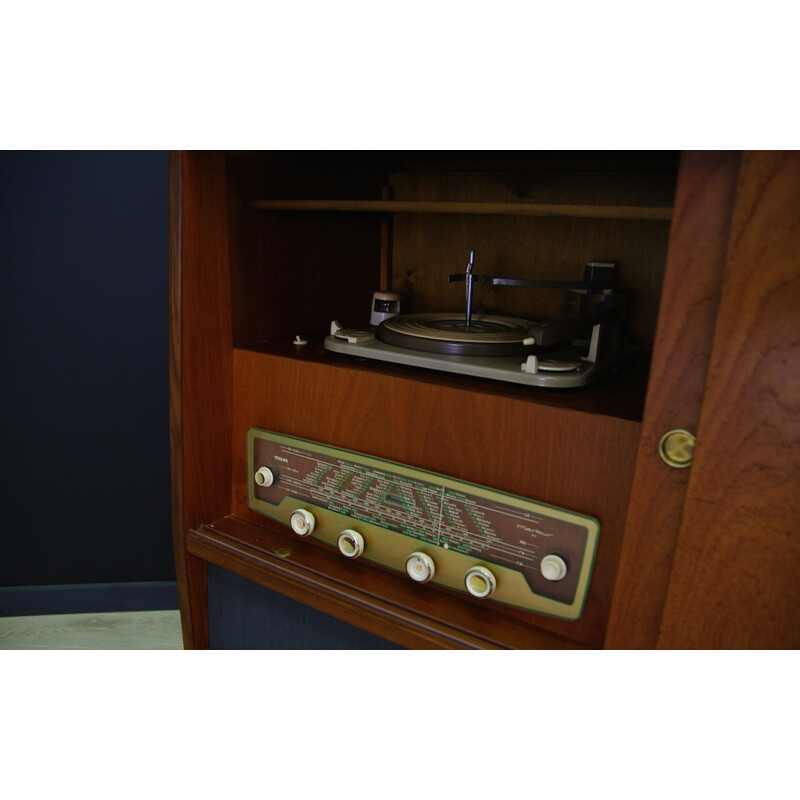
(649, 213)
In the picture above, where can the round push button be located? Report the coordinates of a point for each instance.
(420, 567)
(302, 522)
(480, 582)
(264, 476)
(351, 543)
(553, 567)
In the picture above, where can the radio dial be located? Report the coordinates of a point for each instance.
(553, 567)
(480, 582)
(420, 567)
(265, 477)
(351, 543)
(302, 522)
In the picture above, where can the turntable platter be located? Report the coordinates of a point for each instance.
(448, 333)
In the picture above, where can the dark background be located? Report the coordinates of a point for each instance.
(84, 420)
(84, 429)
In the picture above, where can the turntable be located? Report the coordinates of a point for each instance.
(557, 354)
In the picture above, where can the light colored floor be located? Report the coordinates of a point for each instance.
(119, 630)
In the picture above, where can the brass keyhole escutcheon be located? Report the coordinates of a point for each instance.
(677, 448)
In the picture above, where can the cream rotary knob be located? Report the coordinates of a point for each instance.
(302, 522)
(265, 476)
(553, 567)
(420, 567)
(351, 543)
(480, 582)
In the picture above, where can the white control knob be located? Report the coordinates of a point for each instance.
(480, 582)
(351, 543)
(531, 365)
(420, 567)
(302, 522)
(553, 567)
(265, 476)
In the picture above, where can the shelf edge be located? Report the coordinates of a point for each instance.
(644, 213)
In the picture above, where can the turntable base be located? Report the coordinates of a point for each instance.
(448, 334)
(564, 370)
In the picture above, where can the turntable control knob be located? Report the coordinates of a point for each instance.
(420, 567)
(480, 582)
(530, 365)
(351, 543)
(264, 476)
(553, 567)
(302, 522)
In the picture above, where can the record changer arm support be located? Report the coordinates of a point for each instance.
(600, 304)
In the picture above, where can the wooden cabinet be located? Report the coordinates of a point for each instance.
(268, 246)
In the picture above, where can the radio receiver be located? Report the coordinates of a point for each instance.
(437, 530)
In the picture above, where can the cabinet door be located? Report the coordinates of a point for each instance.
(695, 261)
(736, 575)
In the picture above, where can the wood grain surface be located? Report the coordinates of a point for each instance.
(200, 359)
(690, 296)
(736, 578)
(704, 557)
(493, 209)
(568, 458)
(428, 247)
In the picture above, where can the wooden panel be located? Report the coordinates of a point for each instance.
(492, 208)
(292, 273)
(567, 458)
(427, 248)
(295, 274)
(200, 358)
(736, 579)
(698, 244)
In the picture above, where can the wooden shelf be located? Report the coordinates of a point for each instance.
(645, 213)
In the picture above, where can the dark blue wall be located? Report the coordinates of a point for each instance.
(84, 368)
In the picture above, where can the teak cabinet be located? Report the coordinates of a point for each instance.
(267, 246)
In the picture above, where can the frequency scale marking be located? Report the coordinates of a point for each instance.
(402, 504)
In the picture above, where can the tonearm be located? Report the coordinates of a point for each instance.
(601, 302)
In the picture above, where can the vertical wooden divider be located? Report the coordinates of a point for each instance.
(201, 358)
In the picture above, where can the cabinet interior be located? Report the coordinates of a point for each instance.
(308, 237)
(313, 234)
